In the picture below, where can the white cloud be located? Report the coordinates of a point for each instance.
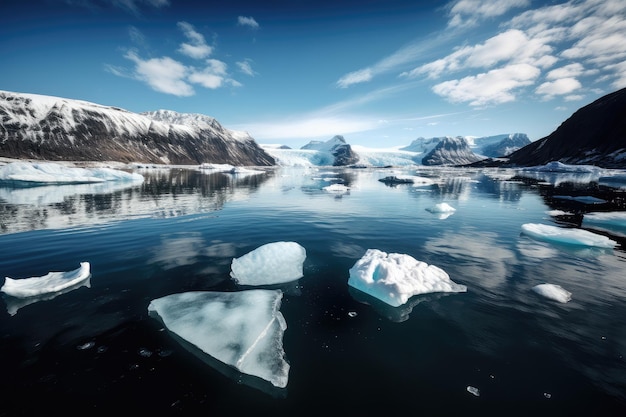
(494, 87)
(162, 74)
(510, 47)
(355, 77)
(247, 21)
(470, 12)
(571, 70)
(246, 67)
(197, 47)
(560, 87)
(132, 6)
(212, 76)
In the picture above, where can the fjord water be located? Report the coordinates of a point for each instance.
(498, 349)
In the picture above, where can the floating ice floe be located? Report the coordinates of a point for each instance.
(568, 236)
(607, 219)
(272, 263)
(394, 277)
(337, 188)
(52, 282)
(53, 173)
(442, 210)
(241, 329)
(553, 292)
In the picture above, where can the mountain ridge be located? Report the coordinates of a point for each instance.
(53, 128)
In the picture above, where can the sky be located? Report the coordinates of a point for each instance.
(381, 73)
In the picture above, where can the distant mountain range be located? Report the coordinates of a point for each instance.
(52, 128)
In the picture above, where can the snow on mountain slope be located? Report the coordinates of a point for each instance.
(45, 127)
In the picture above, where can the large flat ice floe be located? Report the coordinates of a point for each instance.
(46, 284)
(553, 292)
(394, 277)
(241, 329)
(272, 263)
(568, 236)
(53, 173)
(608, 220)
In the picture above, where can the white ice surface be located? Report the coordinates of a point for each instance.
(394, 277)
(53, 173)
(50, 283)
(567, 235)
(441, 208)
(242, 329)
(337, 188)
(606, 219)
(553, 292)
(272, 263)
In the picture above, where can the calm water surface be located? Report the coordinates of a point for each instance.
(95, 348)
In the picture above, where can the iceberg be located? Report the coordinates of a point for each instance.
(442, 210)
(567, 236)
(52, 282)
(337, 188)
(553, 292)
(42, 173)
(243, 330)
(394, 277)
(272, 263)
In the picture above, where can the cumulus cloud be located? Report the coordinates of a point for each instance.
(197, 47)
(512, 46)
(171, 76)
(471, 12)
(559, 87)
(162, 74)
(494, 87)
(247, 21)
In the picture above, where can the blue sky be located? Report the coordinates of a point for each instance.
(379, 72)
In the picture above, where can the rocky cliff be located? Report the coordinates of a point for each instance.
(52, 128)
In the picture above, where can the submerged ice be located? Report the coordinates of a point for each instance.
(52, 282)
(567, 236)
(241, 329)
(394, 277)
(272, 263)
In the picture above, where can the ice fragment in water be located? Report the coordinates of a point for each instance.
(473, 390)
(568, 236)
(553, 292)
(50, 283)
(242, 329)
(272, 263)
(394, 277)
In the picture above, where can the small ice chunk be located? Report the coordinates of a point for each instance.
(394, 277)
(242, 329)
(50, 283)
(473, 390)
(272, 263)
(567, 235)
(553, 292)
(441, 208)
(337, 188)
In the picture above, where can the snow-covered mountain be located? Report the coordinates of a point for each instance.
(498, 145)
(451, 151)
(339, 152)
(445, 150)
(52, 128)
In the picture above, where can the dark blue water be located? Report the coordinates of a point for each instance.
(96, 349)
